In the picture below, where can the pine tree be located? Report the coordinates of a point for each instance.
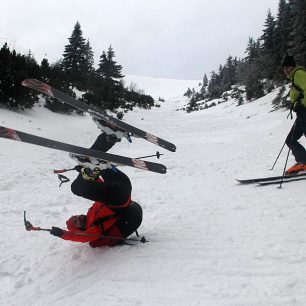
(267, 37)
(45, 70)
(281, 100)
(249, 71)
(283, 28)
(230, 74)
(205, 80)
(252, 50)
(75, 62)
(252, 82)
(89, 57)
(14, 68)
(298, 48)
(6, 76)
(214, 89)
(89, 73)
(188, 93)
(266, 61)
(108, 68)
(110, 88)
(56, 76)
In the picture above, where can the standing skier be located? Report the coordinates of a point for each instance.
(297, 75)
(113, 214)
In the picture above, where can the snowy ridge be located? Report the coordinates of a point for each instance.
(212, 242)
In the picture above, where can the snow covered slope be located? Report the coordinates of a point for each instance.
(212, 242)
(161, 88)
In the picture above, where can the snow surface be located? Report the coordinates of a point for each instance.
(213, 242)
(161, 88)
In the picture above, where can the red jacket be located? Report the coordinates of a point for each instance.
(101, 221)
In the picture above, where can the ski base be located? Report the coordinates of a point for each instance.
(272, 178)
(281, 181)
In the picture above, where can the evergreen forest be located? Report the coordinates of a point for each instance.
(102, 87)
(260, 71)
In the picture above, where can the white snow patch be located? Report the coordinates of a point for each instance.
(212, 242)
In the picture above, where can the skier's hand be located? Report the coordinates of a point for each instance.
(90, 175)
(78, 168)
(298, 106)
(56, 231)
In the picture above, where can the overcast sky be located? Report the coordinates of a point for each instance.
(161, 38)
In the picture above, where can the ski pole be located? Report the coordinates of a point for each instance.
(281, 182)
(30, 227)
(292, 134)
(66, 170)
(293, 127)
(278, 156)
(157, 154)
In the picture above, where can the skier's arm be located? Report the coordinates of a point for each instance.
(90, 234)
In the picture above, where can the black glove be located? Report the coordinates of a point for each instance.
(56, 231)
(78, 168)
(298, 107)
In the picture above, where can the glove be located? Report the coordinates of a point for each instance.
(298, 106)
(56, 231)
(90, 175)
(78, 168)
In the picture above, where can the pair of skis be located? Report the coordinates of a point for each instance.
(12, 134)
(273, 180)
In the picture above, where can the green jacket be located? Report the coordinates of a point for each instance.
(298, 89)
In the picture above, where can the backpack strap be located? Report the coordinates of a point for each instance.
(100, 221)
(299, 89)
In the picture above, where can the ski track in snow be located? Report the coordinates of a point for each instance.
(212, 241)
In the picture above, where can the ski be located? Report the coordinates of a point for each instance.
(96, 113)
(12, 134)
(272, 178)
(281, 181)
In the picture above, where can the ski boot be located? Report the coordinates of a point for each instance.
(111, 130)
(298, 167)
(92, 163)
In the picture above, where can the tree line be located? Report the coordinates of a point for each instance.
(260, 70)
(102, 87)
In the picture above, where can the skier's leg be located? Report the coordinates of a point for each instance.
(115, 190)
(294, 135)
(111, 130)
(104, 142)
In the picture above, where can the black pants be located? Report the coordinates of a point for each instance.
(104, 142)
(116, 188)
(297, 131)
